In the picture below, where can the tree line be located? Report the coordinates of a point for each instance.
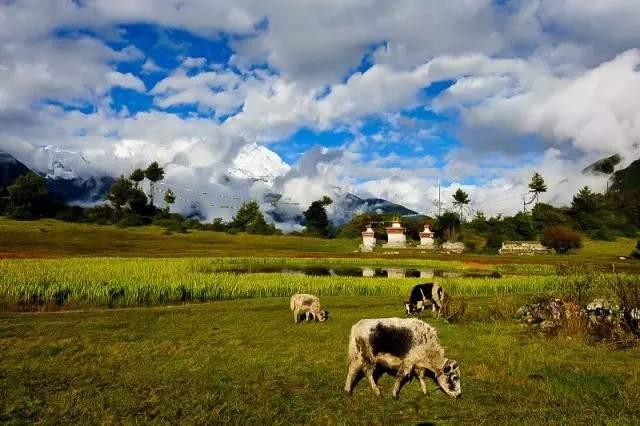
(600, 216)
(128, 205)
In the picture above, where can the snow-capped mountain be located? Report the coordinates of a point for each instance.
(72, 178)
(57, 163)
(257, 162)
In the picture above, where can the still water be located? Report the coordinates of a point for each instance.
(364, 272)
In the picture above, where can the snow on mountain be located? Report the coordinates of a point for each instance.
(57, 163)
(257, 162)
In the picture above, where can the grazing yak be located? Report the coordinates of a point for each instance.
(406, 345)
(309, 305)
(423, 294)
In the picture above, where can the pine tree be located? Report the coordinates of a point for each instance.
(460, 200)
(137, 176)
(27, 196)
(154, 173)
(120, 192)
(316, 219)
(169, 198)
(536, 186)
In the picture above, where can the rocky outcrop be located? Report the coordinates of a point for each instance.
(524, 248)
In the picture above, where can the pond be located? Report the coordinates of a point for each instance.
(364, 272)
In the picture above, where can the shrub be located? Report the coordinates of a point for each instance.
(636, 253)
(474, 242)
(494, 242)
(132, 219)
(602, 234)
(561, 238)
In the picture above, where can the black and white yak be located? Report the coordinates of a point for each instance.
(408, 346)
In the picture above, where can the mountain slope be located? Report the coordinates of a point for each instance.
(10, 169)
(627, 179)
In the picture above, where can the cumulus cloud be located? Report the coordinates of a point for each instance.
(543, 84)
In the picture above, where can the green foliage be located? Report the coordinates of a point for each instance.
(138, 202)
(627, 179)
(124, 194)
(100, 214)
(120, 192)
(169, 198)
(460, 200)
(474, 243)
(218, 225)
(587, 201)
(545, 215)
(137, 176)
(537, 184)
(251, 220)
(561, 238)
(602, 234)
(129, 219)
(28, 196)
(445, 225)
(316, 220)
(154, 173)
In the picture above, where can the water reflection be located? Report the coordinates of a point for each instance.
(367, 272)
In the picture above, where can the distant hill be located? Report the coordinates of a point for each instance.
(605, 165)
(65, 188)
(10, 169)
(627, 179)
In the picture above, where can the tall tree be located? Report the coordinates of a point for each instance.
(27, 196)
(247, 213)
(316, 219)
(120, 192)
(536, 186)
(587, 201)
(169, 198)
(460, 200)
(250, 219)
(154, 173)
(137, 176)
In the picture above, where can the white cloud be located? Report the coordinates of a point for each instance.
(552, 71)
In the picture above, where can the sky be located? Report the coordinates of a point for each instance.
(377, 98)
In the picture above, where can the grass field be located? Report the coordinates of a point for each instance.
(244, 361)
(154, 327)
(51, 238)
(36, 284)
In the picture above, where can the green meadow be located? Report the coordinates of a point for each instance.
(245, 362)
(106, 325)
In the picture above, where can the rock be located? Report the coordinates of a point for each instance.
(453, 247)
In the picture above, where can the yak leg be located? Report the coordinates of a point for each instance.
(423, 385)
(368, 372)
(401, 376)
(296, 313)
(354, 368)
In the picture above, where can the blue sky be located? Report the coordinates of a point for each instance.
(398, 95)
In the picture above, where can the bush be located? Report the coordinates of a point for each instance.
(494, 242)
(132, 219)
(474, 242)
(602, 234)
(561, 238)
(636, 253)
(172, 223)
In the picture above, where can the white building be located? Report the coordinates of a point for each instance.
(427, 238)
(368, 239)
(395, 235)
